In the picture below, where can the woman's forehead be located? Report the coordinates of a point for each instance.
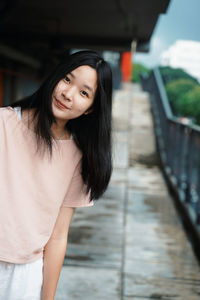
(85, 75)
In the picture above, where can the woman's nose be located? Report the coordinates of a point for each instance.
(68, 93)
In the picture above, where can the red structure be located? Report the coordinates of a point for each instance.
(126, 66)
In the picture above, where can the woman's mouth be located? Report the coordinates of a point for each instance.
(60, 105)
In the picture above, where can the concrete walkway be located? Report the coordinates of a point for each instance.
(130, 244)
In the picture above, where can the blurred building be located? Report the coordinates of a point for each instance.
(184, 55)
(34, 37)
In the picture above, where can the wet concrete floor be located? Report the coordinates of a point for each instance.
(131, 243)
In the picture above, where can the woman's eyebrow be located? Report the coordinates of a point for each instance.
(88, 87)
(72, 74)
(85, 85)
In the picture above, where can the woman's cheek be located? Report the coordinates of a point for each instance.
(80, 104)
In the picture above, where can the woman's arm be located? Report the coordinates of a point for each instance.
(54, 253)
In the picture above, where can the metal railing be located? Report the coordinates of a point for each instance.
(178, 145)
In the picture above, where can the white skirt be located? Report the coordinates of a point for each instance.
(21, 281)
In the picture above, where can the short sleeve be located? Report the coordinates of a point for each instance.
(76, 195)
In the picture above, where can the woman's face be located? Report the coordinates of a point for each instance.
(74, 94)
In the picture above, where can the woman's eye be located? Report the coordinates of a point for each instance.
(67, 79)
(84, 93)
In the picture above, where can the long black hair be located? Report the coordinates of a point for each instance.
(91, 132)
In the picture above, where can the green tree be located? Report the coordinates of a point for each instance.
(171, 74)
(176, 91)
(137, 70)
(192, 103)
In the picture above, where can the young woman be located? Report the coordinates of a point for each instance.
(55, 155)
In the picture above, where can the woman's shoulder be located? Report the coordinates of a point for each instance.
(6, 111)
(6, 108)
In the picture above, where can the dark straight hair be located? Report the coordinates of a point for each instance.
(91, 132)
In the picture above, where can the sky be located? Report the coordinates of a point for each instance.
(181, 22)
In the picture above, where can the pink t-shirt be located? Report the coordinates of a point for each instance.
(33, 188)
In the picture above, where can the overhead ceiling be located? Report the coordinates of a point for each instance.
(41, 29)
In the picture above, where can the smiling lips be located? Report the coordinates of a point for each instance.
(61, 105)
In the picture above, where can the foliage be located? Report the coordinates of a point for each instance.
(170, 74)
(175, 91)
(137, 70)
(183, 93)
(192, 103)
(182, 89)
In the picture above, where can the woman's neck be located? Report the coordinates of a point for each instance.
(60, 132)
